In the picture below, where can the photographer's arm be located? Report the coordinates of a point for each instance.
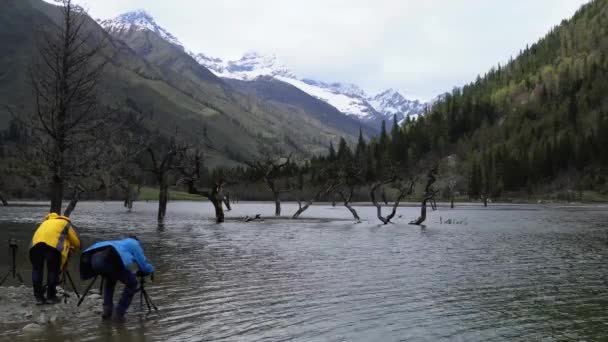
(73, 238)
(142, 262)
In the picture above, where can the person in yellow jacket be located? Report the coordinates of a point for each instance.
(53, 241)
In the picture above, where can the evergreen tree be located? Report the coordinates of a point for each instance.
(332, 152)
(344, 153)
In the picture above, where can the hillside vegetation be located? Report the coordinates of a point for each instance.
(148, 75)
(538, 123)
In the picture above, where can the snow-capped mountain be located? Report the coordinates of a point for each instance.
(347, 98)
(391, 102)
(138, 20)
(250, 66)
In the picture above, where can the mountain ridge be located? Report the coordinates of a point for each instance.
(148, 74)
(347, 98)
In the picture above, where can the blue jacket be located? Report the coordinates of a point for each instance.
(130, 252)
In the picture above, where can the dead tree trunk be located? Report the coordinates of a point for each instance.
(215, 196)
(161, 169)
(422, 217)
(216, 199)
(163, 198)
(428, 196)
(302, 209)
(129, 199)
(277, 202)
(56, 194)
(130, 194)
(402, 192)
(322, 192)
(227, 201)
(3, 200)
(190, 168)
(269, 171)
(347, 200)
(72, 205)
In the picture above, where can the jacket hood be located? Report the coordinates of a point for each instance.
(53, 216)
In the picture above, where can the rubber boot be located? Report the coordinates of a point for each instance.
(107, 312)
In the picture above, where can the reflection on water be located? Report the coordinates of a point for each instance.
(511, 273)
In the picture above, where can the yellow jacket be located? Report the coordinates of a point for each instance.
(57, 231)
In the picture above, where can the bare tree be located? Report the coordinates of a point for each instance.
(322, 191)
(347, 196)
(403, 189)
(429, 196)
(66, 128)
(164, 157)
(190, 167)
(270, 171)
(350, 175)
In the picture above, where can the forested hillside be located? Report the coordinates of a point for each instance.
(538, 123)
(148, 75)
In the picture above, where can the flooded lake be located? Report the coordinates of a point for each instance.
(511, 273)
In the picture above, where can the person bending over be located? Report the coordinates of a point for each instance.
(52, 242)
(112, 260)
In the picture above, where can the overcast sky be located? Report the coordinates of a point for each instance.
(421, 48)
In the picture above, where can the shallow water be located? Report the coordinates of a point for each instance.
(510, 273)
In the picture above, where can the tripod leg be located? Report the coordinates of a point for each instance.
(72, 283)
(4, 279)
(150, 303)
(86, 291)
(147, 302)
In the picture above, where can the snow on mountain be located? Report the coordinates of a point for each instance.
(250, 66)
(138, 20)
(345, 103)
(347, 98)
(390, 102)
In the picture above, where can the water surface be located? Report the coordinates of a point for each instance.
(510, 273)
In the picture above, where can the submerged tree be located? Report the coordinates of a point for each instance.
(163, 155)
(404, 188)
(271, 171)
(191, 169)
(429, 196)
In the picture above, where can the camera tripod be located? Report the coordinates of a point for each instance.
(65, 277)
(143, 294)
(86, 291)
(12, 244)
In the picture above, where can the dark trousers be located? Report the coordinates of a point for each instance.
(40, 253)
(108, 264)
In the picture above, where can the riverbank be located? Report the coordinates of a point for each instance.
(18, 310)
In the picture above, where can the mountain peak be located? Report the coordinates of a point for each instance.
(136, 15)
(251, 65)
(138, 20)
(346, 97)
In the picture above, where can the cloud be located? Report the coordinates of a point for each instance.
(422, 48)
